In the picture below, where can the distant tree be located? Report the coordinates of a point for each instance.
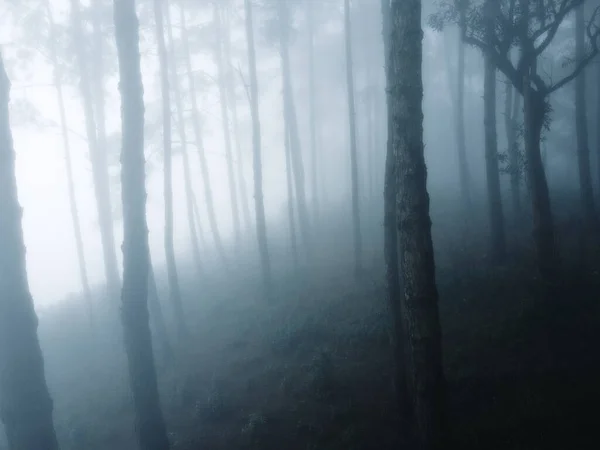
(259, 206)
(512, 106)
(353, 147)
(312, 97)
(25, 403)
(150, 426)
(419, 303)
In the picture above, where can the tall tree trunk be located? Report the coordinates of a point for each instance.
(586, 188)
(353, 150)
(173, 277)
(25, 403)
(420, 301)
(231, 97)
(461, 141)
(498, 237)
(511, 110)
(87, 294)
(150, 425)
(312, 107)
(156, 315)
(598, 127)
(290, 192)
(259, 206)
(292, 120)
(212, 220)
(543, 223)
(187, 178)
(225, 120)
(392, 270)
(98, 158)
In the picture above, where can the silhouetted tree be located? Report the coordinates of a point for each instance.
(150, 426)
(25, 403)
(512, 106)
(312, 97)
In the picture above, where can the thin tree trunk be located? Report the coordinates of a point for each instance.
(353, 150)
(231, 96)
(212, 220)
(25, 403)
(156, 315)
(150, 425)
(586, 188)
(511, 109)
(187, 179)
(225, 122)
(598, 128)
(392, 271)
(496, 215)
(98, 158)
(259, 207)
(420, 301)
(312, 107)
(172, 275)
(87, 294)
(291, 117)
(290, 191)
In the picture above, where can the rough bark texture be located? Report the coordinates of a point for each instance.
(353, 150)
(172, 275)
(97, 156)
(496, 215)
(149, 422)
(512, 105)
(25, 403)
(225, 123)
(212, 220)
(583, 148)
(261, 226)
(420, 299)
(312, 107)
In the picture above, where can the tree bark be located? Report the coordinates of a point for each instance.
(212, 220)
(353, 150)
(496, 215)
(150, 425)
(420, 301)
(156, 315)
(586, 188)
(225, 122)
(511, 109)
(25, 403)
(172, 275)
(98, 158)
(259, 207)
(312, 107)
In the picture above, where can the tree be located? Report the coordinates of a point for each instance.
(172, 275)
(25, 403)
(310, 19)
(496, 215)
(353, 150)
(512, 105)
(259, 206)
(150, 426)
(419, 304)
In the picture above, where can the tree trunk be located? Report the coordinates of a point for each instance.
(212, 220)
(290, 191)
(25, 403)
(586, 188)
(292, 123)
(312, 107)
(150, 425)
(511, 108)
(598, 127)
(420, 301)
(156, 315)
(231, 96)
(353, 150)
(87, 294)
(187, 179)
(543, 222)
(259, 207)
(172, 275)
(392, 271)
(225, 120)
(498, 237)
(98, 158)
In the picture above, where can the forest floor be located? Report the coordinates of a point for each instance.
(313, 369)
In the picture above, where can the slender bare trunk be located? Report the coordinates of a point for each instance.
(461, 141)
(25, 403)
(259, 207)
(156, 315)
(511, 110)
(172, 275)
(312, 107)
(212, 220)
(353, 150)
(290, 191)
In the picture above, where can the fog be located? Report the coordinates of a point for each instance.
(252, 363)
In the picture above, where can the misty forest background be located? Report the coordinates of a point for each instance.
(356, 238)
